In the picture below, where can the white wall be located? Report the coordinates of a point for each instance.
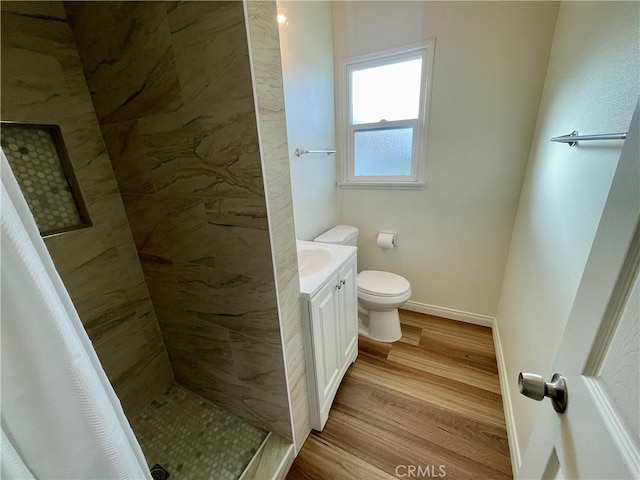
(490, 63)
(306, 46)
(592, 85)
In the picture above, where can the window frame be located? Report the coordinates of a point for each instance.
(425, 50)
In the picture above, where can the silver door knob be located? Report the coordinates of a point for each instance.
(533, 386)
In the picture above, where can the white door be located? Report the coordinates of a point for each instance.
(348, 310)
(598, 436)
(326, 341)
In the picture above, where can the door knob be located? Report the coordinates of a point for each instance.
(533, 386)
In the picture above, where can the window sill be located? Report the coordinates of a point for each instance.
(383, 185)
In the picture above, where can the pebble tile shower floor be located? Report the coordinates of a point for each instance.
(193, 438)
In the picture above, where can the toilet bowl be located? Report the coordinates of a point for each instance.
(380, 294)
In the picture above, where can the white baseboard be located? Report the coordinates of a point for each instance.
(514, 447)
(450, 313)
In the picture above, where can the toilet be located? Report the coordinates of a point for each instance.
(380, 294)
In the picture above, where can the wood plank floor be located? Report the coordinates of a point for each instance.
(431, 399)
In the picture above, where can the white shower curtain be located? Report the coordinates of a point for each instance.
(60, 416)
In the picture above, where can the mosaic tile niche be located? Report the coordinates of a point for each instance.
(39, 161)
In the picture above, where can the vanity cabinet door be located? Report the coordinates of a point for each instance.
(326, 342)
(348, 304)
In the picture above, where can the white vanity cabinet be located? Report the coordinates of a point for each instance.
(348, 305)
(331, 330)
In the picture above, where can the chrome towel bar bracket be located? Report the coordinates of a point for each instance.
(573, 138)
(299, 152)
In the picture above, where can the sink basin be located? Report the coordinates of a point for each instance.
(313, 259)
(318, 263)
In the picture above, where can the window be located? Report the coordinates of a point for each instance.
(385, 105)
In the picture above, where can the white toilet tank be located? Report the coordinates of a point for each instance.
(340, 235)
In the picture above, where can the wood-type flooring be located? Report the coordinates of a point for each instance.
(426, 406)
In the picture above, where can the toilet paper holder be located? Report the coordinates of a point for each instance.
(387, 240)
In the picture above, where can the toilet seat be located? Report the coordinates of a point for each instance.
(382, 284)
(382, 303)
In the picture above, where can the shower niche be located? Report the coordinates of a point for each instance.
(40, 162)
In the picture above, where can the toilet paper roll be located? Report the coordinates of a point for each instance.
(386, 240)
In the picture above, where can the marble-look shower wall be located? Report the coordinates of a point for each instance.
(43, 82)
(171, 85)
(269, 93)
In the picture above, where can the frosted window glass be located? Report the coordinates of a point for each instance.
(387, 92)
(383, 152)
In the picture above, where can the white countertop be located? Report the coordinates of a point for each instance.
(311, 284)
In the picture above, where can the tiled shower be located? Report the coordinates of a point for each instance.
(186, 157)
(174, 279)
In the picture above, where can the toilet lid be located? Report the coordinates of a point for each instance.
(382, 284)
